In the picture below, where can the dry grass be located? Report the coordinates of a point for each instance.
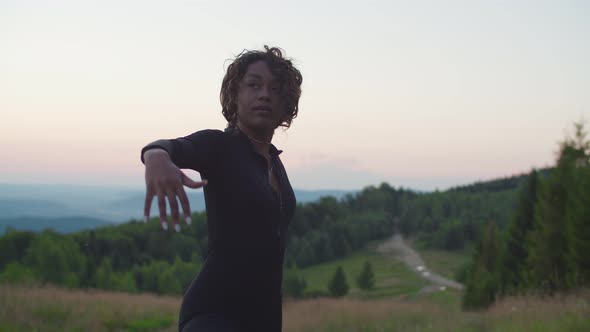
(580, 301)
(47, 308)
(543, 310)
(561, 313)
(349, 314)
(55, 309)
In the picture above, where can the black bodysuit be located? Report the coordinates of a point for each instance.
(247, 220)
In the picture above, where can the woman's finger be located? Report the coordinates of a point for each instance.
(162, 207)
(192, 184)
(184, 202)
(149, 197)
(174, 210)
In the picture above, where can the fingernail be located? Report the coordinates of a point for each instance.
(164, 225)
(145, 219)
(188, 220)
(177, 228)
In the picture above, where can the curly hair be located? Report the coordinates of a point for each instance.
(282, 68)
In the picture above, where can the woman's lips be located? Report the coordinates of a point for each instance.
(263, 108)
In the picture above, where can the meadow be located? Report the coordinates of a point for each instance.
(395, 304)
(392, 277)
(48, 308)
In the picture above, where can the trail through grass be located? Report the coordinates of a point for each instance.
(445, 263)
(392, 277)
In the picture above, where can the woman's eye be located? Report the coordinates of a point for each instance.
(253, 85)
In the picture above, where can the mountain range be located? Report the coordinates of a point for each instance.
(68, 208)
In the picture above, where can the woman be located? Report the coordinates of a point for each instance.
(248, 197)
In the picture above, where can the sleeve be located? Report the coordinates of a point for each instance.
(198, 151)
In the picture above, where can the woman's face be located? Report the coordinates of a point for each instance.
(259, 105)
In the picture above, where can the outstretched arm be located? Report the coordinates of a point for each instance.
(165, 180)
(163, 160)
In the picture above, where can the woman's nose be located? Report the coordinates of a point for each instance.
(265, 92)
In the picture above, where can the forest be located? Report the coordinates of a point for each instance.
(544, 247)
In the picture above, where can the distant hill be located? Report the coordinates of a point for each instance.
(496, 185)
(10, 208)
(75, 207)
(132, 206)
(60, 224)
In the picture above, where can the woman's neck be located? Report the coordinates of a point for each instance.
(261, 141)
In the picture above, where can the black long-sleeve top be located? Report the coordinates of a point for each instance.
(247, 220)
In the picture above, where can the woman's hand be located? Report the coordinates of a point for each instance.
(165, 180)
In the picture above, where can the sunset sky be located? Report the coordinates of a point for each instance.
(421, 94)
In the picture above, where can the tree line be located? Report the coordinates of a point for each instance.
(545, 246)
(135, 256)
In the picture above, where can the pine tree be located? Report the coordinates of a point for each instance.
(581, 243)
(366, 279)
(338, 286)
(516, 252)
(578, 204)
(482, 284)
(555, 253)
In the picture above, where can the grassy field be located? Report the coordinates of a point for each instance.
(53, 309)
(392, 277)
(439, 312)
(445, 263)
(394, 305)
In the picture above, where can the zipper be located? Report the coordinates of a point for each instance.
(280, 196)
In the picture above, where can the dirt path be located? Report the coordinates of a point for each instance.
(397, 247)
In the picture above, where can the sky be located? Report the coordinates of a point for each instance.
(419, 94)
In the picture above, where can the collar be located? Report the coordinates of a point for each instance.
(237, 132)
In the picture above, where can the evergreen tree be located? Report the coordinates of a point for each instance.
(553, 256)
(581, 223)
(338, 286)
(578, 204)
(516, 251)
(482, 284)
(366, 279)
